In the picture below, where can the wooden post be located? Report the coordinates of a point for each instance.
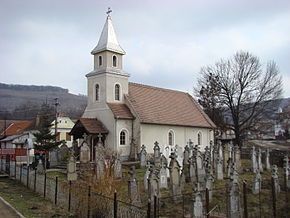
(27, 181)
(155, 207)
(44, 191)
(245, 199)
(15, 168)
(89, 197)
(115, 205)
(207, 202)
(286, 196)
(69, 196)
(274, 199)
(34, 180)
(55, 193)
(149, 209)
(20, 172)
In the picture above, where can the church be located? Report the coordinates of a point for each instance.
(123, 115)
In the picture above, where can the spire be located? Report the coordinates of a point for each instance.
(108, 39)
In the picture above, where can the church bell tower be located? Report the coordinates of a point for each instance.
(107, 83)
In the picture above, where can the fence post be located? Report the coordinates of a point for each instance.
(20, 172)
(149, 209)
(286, 196)
(115, 205)
(44, 185)
(34, 180)
(274, 199)
(155, 207)
(207, 202)
(69, 196)
(55, 193)
(245, 199)
(89, 197)
(27, 181)
(15, 168)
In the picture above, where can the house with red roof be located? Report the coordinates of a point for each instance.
(125, 115)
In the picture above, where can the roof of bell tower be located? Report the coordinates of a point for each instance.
(108, 40)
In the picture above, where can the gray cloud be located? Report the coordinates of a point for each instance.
(49, 42)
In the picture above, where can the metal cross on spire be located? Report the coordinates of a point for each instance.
(109, 11)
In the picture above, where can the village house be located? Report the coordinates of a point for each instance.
(126, 115)
(64, 126)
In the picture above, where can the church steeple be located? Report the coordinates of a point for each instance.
(108, 40)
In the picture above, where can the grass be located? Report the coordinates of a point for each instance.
(27, 202)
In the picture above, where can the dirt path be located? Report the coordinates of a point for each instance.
(7, 211)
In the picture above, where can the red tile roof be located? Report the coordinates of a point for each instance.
(121, 111)
(17, 128)
(164, 106)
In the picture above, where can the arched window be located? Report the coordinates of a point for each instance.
(171, 138)
(199, 138)
(100, 61)
(114, 61)
(97, 92)
(117, 92)
(122, 137)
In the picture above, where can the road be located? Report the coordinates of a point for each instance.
(6, 211)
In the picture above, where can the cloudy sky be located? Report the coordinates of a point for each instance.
(167, 41)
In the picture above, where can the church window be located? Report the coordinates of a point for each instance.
(114, 61)
(117, 92)
(97, 92)
(171, 138)
(100, 61)
(199, 138)
(123, 138)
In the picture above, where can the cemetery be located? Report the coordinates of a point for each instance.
(219, 181)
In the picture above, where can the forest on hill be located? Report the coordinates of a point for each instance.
(23, 102)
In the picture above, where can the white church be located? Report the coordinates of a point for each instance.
(126, 115)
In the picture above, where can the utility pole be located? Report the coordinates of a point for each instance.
(55, 124)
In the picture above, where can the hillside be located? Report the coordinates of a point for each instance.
(23, 102)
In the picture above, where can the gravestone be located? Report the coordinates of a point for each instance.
(254, 160)
(257, 183)
(191, 147)
(153, 184)
(267, 160)
(146, 176)
(209, 180)
(72, 168)
(275, 178)
(63, 152)
(287, 169)
(197, 203)
(179, 154)
(259, 159)
(157, 155)
(40, 168)
(234, 209)
(133, 189)
(143, 156)
(192, 169)
(200, 167)
(219, 169)
(174, 169)
(99, 161)
(76, 148)
(118, 168)
(185, 167)
(53, 156)
(84, 153)
(163, 177)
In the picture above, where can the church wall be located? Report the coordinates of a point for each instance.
(152, 132)
(123, 124)
(92, 81)
(109, 57)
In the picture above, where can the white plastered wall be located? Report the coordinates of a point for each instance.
(152, 132)
(124, 124)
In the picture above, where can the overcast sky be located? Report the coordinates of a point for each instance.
(167, 42)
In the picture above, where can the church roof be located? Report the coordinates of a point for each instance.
(121, 111)
(88, 125)
(108, 40)
(163, 106)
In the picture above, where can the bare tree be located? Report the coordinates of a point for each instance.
(244, 89)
